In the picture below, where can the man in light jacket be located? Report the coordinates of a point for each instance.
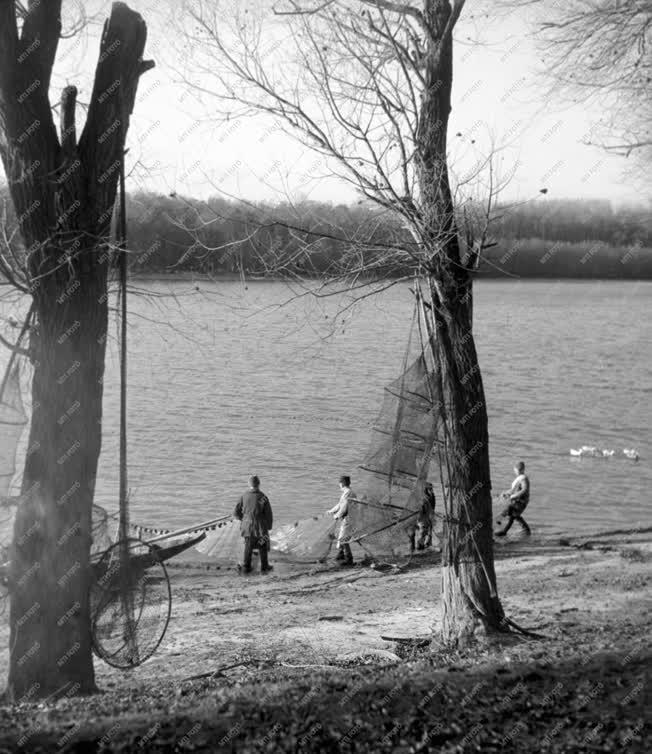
(255, 514)
(340, 513)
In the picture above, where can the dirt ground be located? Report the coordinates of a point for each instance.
(294, 661)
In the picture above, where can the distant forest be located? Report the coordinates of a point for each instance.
(546, 238)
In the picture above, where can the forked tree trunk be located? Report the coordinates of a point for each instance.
(63, 191)
(468, 580)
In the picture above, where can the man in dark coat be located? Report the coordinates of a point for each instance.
(255, 514)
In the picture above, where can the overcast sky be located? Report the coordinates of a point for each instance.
(497, 92)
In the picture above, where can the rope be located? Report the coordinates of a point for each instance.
(156, 530)
(216, 524)
(382, 528)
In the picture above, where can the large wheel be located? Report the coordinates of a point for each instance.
(130, 603)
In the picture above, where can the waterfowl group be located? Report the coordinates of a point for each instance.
(589, 451)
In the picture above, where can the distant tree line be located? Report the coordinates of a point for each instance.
(547, 238)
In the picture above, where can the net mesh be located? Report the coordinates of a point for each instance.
(397, 465)
(387, 502)
(225, 543)
(309, 539)
(130, 604)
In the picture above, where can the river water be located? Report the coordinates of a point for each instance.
(228, 379)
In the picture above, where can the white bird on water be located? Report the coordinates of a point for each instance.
(593, 452)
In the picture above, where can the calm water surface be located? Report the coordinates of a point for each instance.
(225, 381)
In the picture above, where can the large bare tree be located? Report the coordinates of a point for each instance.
(63, 189)
(367, 84)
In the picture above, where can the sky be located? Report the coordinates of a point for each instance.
(179, 144)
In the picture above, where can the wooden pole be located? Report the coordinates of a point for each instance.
(124, 509)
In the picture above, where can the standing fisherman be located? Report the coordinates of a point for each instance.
(422, 536)
(518, 496)
(255, 514)
(340, 513)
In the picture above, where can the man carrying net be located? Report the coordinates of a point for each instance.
(517, 499)
(340, 512)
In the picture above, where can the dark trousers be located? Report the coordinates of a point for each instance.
(344, 553)
(422, 536)
(250, 544)
(513, 518)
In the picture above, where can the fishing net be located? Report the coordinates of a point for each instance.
(397, 465)
(387, 503)
(100, 531)
(130, 602)
(312, 539)
(225, 543)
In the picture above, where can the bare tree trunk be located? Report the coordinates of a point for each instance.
(50, 621)
(64, 203)
(469, 594)
(468, 578)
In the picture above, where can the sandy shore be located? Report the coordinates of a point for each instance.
(294, 661)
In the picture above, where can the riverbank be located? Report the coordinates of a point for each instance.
(294, 661)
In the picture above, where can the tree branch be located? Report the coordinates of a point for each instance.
(401, 8)
(13, 347)
(40, 36)
(119, 67)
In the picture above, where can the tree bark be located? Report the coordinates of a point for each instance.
(63, 191)
(469, 590)
(469, 594)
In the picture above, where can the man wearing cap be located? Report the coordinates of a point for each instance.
(255, 515)
(340, 513)
(519, 497)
